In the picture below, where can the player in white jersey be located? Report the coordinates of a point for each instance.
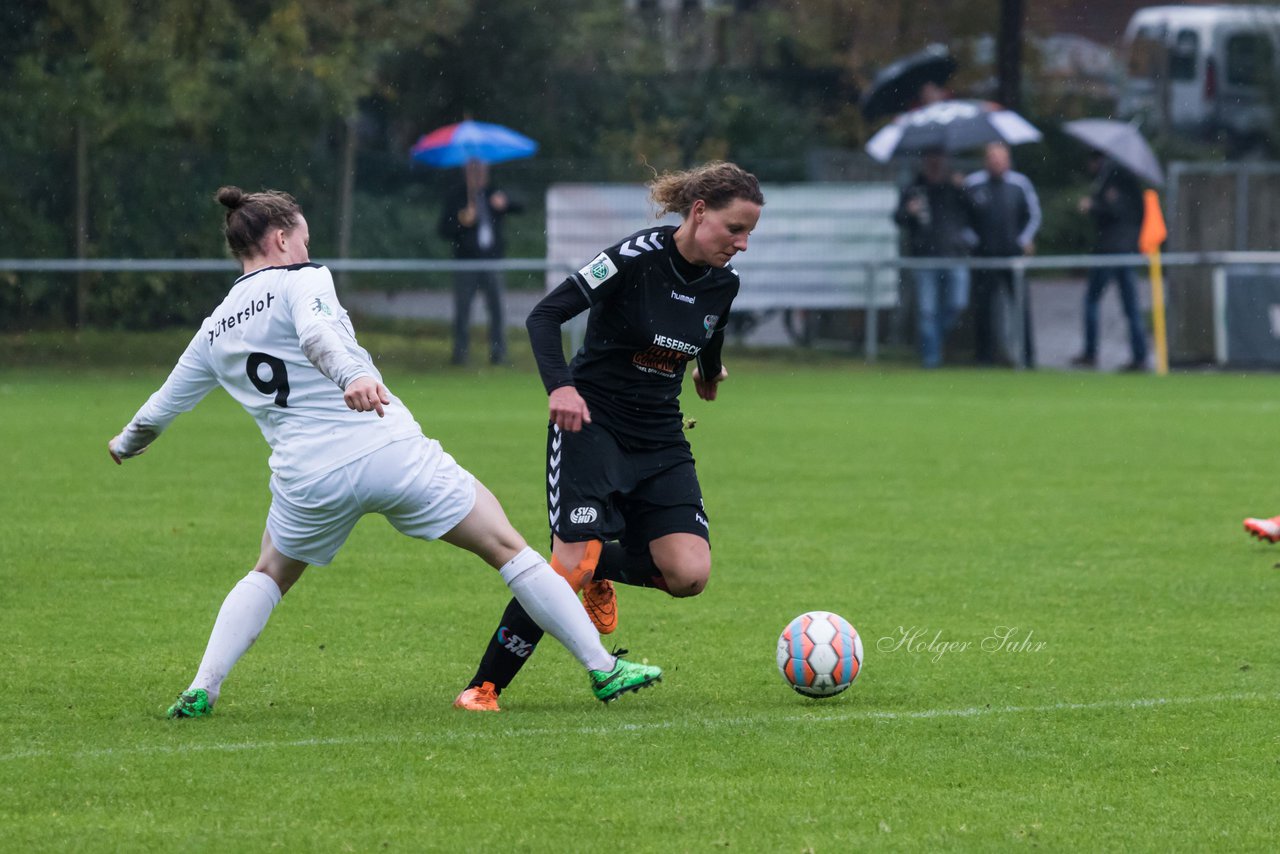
(342, 446)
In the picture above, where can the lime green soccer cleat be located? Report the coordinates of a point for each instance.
(192, 704)
(625, 676)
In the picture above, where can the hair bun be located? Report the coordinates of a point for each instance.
(232, 197)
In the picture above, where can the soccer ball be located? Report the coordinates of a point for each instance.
(819, 654)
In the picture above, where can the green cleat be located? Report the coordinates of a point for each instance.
(192, 704)
(625, 676)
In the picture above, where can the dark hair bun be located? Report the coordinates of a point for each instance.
(232, 197)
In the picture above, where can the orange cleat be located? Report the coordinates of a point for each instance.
(483, 698)
(601, 602)
(1264, 529)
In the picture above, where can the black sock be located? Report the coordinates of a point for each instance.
(509, 648)
(638, 570)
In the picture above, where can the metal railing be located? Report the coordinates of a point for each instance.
(866, 295)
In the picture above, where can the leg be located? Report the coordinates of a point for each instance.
(1028, 329)
(685, 563)
(983, 292)
(464, 291)
(544, 595)
(587, 452)
(1137, 330)
(633, 568)
(241, 619)
(493, 298)
(517, 635)
(928, 328)
(956, 297)
(1092, 296)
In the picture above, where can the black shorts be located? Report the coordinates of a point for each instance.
(598, 491)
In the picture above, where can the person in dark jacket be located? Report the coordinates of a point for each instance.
(934, 212)
(472, 223)
(1115, 205)
(1006, 219)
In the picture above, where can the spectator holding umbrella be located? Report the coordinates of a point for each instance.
(1006, 219)
(471, 220)
(935, 212)
(1115, 206)
(1120, 161)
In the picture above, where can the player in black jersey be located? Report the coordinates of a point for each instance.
(623, 497)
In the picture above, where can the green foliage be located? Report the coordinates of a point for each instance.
(172, 100)
(954, 502)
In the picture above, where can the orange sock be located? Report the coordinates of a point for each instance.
(584, 571)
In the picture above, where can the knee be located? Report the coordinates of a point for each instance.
(687, 577)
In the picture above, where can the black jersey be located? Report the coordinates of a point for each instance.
(652, 312)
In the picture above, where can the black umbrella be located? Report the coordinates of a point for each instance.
(896, 87)
(1123, 143)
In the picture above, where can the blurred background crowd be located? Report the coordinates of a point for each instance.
(122, 118)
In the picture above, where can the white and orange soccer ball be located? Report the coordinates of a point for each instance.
(819, 654)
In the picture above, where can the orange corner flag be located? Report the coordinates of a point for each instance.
(1153, 229)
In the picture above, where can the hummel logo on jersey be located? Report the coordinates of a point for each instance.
(599, 270)
(702, 520)
(319, 306)
(643, 243)
(689, 298)
(513, 643)
(583, 515)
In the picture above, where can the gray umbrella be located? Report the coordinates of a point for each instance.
(1121, 142)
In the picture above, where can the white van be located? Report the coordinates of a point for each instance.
(1206, 71)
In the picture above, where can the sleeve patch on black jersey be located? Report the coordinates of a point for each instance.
(598, 271)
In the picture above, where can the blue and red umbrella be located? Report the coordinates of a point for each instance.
(454, 145)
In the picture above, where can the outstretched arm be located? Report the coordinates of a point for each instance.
(189, 381)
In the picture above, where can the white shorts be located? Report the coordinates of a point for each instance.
(414, 483)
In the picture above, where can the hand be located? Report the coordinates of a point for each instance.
(365, 394)
(707, 388)
(119, 456)
(1086, 205)
(1029, 248)
(498, 202)
(568, 410)
(467, 216)
(915, 205)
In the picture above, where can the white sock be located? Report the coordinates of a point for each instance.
(242, 618)
(551, 602)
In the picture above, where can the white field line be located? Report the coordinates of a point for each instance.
(807, 717)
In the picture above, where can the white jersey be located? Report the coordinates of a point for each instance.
(283, 347)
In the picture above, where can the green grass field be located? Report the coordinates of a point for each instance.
(1093, 521)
